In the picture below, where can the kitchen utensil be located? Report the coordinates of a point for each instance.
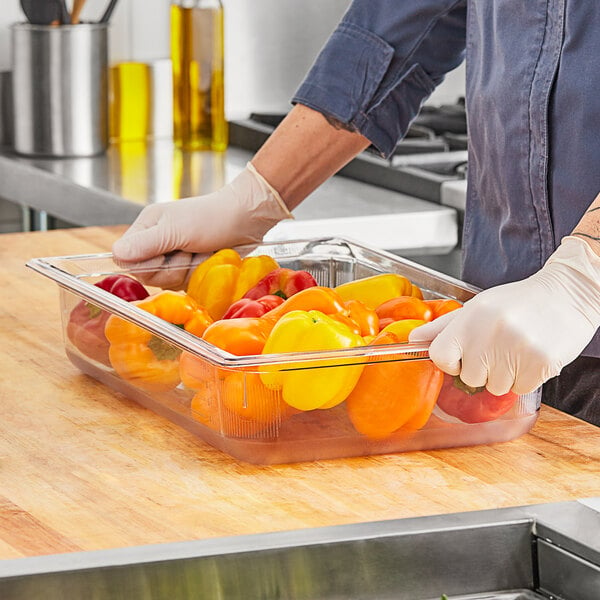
(76, 11)
(6, 110)
(41, 12)
(65, 17)
(45, 12)
(108, 12)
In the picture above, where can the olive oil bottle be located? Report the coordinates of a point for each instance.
(197, 54)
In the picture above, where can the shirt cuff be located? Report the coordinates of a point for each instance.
(345, 83)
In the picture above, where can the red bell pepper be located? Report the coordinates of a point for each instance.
(281, 282)
(123, 286)
(472, 405)
(246, 307)
(86, 323)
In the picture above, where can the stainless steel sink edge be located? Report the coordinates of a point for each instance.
(456, 554)
(271, 541)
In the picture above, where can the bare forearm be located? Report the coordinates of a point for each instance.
(303, 152)
(588, 227)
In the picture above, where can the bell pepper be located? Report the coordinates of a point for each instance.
(323, 299)
(139, 356)
(247, 397)
(390, 395)
(241, 408)
(402, 328)
(235, 403)
(377, 289)
(472, 405)
(281, 282)
(196, 372)
(441, 306)
(352, 325)
(307, 386)
(240, 336)
(366, 318)
(225, 277)
(403, 307)
(86, 323)
(245, 307)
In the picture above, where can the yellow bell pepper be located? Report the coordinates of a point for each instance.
(377, 289)
(225, 277)
(311, 384)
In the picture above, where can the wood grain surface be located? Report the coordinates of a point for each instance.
(82, 467)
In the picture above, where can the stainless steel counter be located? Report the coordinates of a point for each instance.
(113, 188)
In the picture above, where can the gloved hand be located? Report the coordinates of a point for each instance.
(518, 335)
(239, 213)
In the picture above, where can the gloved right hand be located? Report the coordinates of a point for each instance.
(518, 335)
(169, 234)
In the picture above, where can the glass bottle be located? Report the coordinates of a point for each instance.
(197, 54)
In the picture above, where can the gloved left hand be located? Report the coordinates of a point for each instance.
(518, 335)
(167, 238)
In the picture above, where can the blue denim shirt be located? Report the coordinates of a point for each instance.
(533, 110)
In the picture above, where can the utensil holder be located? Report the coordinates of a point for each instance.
(60, 89)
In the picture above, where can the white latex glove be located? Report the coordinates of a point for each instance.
(518, 335)
(171, 233)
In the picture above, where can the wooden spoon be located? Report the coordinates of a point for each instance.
(76, 11)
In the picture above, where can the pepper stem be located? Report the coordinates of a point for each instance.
(163, 350)
(467, 389)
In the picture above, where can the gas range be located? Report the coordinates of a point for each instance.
(432, 154)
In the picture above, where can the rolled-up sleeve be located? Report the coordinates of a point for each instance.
(382, 62)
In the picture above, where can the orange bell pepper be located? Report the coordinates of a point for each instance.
(366, 318)
(240, 336)
(323, 299)
(352, 325)
(403, 307)
(375, 290)
(242, 408)
(246, 396)
(196, 372)
(235, 403)
(390, 395)
(143, 358)
(225, 277)
(441, 306)
(358, 318)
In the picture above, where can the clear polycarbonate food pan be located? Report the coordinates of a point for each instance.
(396, 400)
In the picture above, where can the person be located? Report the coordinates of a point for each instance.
(531, 234)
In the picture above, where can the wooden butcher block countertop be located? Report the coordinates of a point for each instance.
(83, 468)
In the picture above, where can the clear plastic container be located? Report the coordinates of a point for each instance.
(224, 399)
